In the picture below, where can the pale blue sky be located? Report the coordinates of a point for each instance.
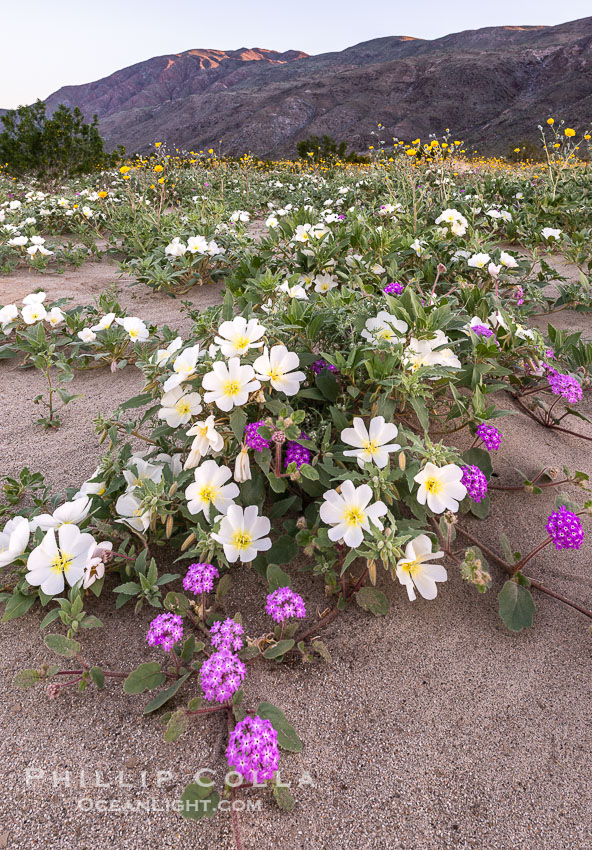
(47, 45)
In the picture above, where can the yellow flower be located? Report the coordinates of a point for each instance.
(157, 144)
(410, 151)
(161, 180)
(556, 145)
(550, 121)
(103, 194)
(569, 132)
(211, 150)
(124, 169)
(415, 142)
(516, 150)
(158, 168)
(587, 136)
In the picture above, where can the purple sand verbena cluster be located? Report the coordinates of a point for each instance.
(227, 634)
(253, 438)
(295, 453)
(200, 578)
(394, 288)
(165, 630)
(565, 528)
(320, 364)
(475, 482)
(564, 385)
(253, 750)
(491, 436)
(482, 330)
(221, 675)
(284, 604)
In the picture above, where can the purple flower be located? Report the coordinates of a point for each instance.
(475, 482)
(490, 436)
(295, 453)
(518, 294)
(221, 675)
(253, 438)
(165, 630)
(200, 578)
(482, 330)
(565, 528)
(564, 385)
(227, 635)
(253, 750)
(318, 366)
(394, 288)
(285, 604)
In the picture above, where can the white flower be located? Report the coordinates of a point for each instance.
(55, 317)
(242, 466)
(324, 282)
(206, 439)
(178, 407)
(129, 509)
(240, 215)
(414, 572)
(478, 261)
(457, 221)
(384, 327)
(243, 533)
(104, 323)
(87, 212)
(349, 513)
(210, 488)
(14, 205)
(68, 513)
(86, 335)
(295, 291)
(137, 330)
(508, 260)
(162, 355)
(145, 471)
(372, 445)
(183, 367)
(51, 562)
(238, 336)
(8, 314)
(34, 313)
(276, 366)
(493, 269)
(229, 384)
(95, 569)
(550, 233)
(302, 233)
(418, 246)
(271, 221)
(91, 488)
(176, 248)
(18, 241)
(213, 249)
(13, 540)
(440, 487)
(196, 245)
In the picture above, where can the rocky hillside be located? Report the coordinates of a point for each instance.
(490, 86)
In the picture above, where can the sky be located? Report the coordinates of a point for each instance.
(68, 42)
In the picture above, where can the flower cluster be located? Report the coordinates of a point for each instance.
(295, 453)
(564, 385)
(565, 529)
(253, 438)
(200, 578)
(475, 482)
(221, 675)
(318, 365)
(284, 604)
(394, 288)
(491, 436)
(227, 634)
(253, 750)
(165, 630)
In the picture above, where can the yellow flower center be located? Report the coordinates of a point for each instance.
(371, 446)
(354, 517)
(275, 374)
(411, 568)
(61, 562)
(203, 430)
(433, 485)
(231, 388)
(183, 407)
(241, 540)
(241, 343)
(209, 493)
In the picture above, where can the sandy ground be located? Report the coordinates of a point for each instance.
(434, 727)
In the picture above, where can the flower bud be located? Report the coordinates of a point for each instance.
(187, 542)
(402, 461)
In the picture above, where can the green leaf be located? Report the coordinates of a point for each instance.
(421, 412)
(91, 622)
(322, 650)
(283, 798)
(328, 386)
(98, 677)
(165, 696)
(17, 605)
(480, 458)
(283, 551)
(276, 577)
(249, 652)
(480, 509)
(309, 472)
(176, 726)
(287, 737)
(199, 801)
(130, 588)
(62, 645)
(136, 401)
(26, 679)
(223, 587)
(278, 649)
(50, 617)
(238, 419)
(516, 606)
(372, 600)
(146, 677)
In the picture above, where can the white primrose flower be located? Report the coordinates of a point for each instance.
(34, 313)
(137, 330)
(229, 384)
(457, 222)
(183, 367)
(91, 488)
(325, 282)
(86, 335)
(242, 466)
(302, 233)
(349, 513)
(237, 337)
(478, 261)
(55, 317)
(271, 222)
(508, 260)
(418, 246)
(213, 249)
(178, 407)
(494, 270)
(295, 291)
(440, 487)
(176, 248)
(18, 241)
(146, 471)
(163, 354)
(95, 569)
(68, 513)
(372, 444)
(414, 572)
(13, 540)
(276, 366)
(210, 488)
(240, 215)
(206, 439)
(104, 323)
(197, 244)
(550, 233)
(243, 533)
(129, 509)
(385, 327)
(14, 205)
(8, 314)
(53, 561)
